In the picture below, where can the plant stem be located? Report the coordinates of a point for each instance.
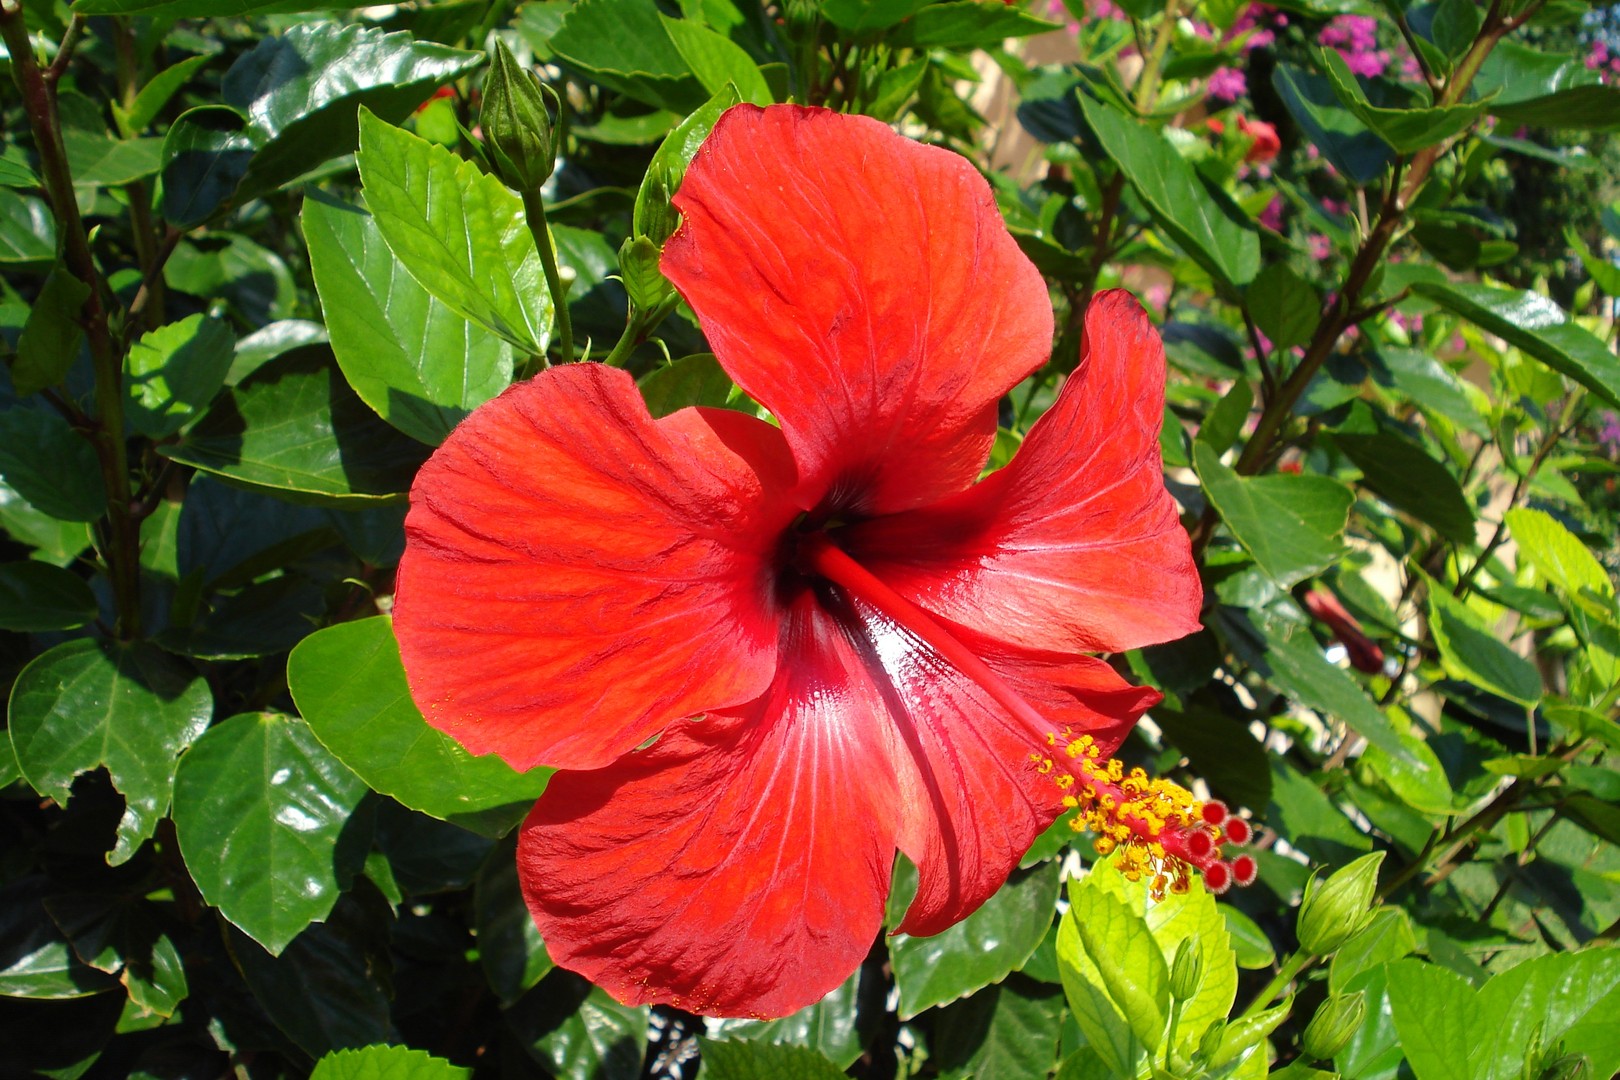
(636, 328)
(534, 211)
(119, 541)
(1290, 970)
(1147, 94)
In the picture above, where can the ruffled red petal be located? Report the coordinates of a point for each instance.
(863, 287)
(738, 866)
(578, 575)
(1075, 545)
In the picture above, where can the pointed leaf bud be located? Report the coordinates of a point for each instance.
(1334, 1025)
(638, 267)
(1568, 1067)
(517, 125)
(1336, 909)
(1187, 972)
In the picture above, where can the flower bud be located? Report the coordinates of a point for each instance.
(1334, 1025)
(517, 125)
(1187, 971)
(1568, 1067)
(638, 268)
(1336, 909)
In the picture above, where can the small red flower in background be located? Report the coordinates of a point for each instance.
(843, 645)
(1265, 145)
(1364, 653)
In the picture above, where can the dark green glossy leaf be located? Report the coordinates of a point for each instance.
(37, 596)
(967, 24)
(1292, 525)
(1283, 305)
(198, 9)
(1387, 937)
(1430, 385)
(576, 1032)
(386, 1063)
(513, 957)
(36, 960)
(349, 685)
(459, 232)
(1294, 663)
(300, 91)
(838, 1027)
(296, 429)
(1215, 234)
(1348, 144)
(421, 366)
(50, 339)
(157, 92)
(1225, 420)
(856, 15)
(27, 230)
(1404, 474)
(329, 989)
(254, 280)
(15, 172)
(99, 160)
(131, 709)
(716, 60)
(692, 380)
(50, 465)
(1405, 130)
(1253, 949)
(263, 814)
(55, 541)
(1537, 326)
(1546, 90)
(981, 949)
(229, 535)
(622, 44)
(1473, 653)
(206, 152)
(173, 372)
(741, 1060)
(1007, 1030)
(263, 619)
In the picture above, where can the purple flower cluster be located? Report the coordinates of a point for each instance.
(1603, 61)
(1227, 84)
(1356, 39)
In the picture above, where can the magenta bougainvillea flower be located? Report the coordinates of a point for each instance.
(766, 658)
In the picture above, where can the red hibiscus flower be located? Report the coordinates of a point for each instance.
(767, 658)
(1265, 144)
(1364, 653)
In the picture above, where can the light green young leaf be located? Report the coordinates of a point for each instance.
(1472, 653)
(173, 372)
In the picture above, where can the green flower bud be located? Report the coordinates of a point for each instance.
(517, 125)
(1187, 972)
(1209, 1044)
(638, 268)
(1336, 909)
(1568, 1067)
(1334, 1025)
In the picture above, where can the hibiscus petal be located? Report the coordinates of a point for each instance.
(578, 575)
(863, 287)
(738, 866)
(1075, 545)
(974, 799)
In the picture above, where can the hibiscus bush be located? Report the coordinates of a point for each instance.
(893, 538)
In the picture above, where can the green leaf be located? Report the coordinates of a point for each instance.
(27, 230)
(1406, 130)
(1348, 144)
(56, 542)
(748, 1060)
(460, 233)
(1604, 273)
(1417, 778)
(386, 1063)
(653, 217)
(692, 380)
(261, 811)
(1431, 386)
(838, 1027)
(981, 949)
(1224, 423)
(1009, 1030)
(251, 278)
(716, 60)
(623, 45)
(1557, 554)
(510, 951)
(421, 366)
(99, 160)
(1294, 663)
(858, 15)
(15, 172)
(967, 24)
(1214, 233)
(1470, 652)
(86, 704)
(577, 1032)
(300, 90)
(350, 687)
(1546, 90)
(174, 372)
(295, 428)
(36, 959)
(1116, 979)
(197, 9)
(36, 596)
(157, 92)
(1193, 916)
(1283, 305)
(50, 465)
(1404, 474)
(50, 338)
(206, 152)
(1292, 525)
(1251, 945)
(1538, 327)
(1388, 937)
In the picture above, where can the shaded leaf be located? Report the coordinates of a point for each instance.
(1292, 525)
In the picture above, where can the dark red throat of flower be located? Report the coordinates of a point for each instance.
(1160, 831)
